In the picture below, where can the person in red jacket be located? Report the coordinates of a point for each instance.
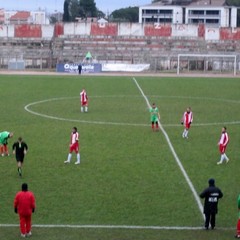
(24, 205)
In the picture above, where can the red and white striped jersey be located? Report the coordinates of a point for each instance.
(187, 117)
(74, 137)
(223, 139)
(83, 96)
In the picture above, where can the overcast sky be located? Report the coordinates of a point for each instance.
(53, 5)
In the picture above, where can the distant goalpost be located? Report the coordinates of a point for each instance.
(207, 63)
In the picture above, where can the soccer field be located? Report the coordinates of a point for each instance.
(132, 183)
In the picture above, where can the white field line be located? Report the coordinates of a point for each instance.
(114, 226)
(174, 154)
(110, 227)
(27, 108)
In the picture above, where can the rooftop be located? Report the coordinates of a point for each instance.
(22, 15)
(202, 3)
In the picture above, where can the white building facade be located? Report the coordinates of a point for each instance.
(35, 17)
(39, 17)
(210, 12)
(163, 14)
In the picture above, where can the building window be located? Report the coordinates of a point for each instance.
(212, 21)
(150, 20)
(196, 20)
(212, 12)
(196, 12)
(151, 11)
(165, 11)
(165, 20)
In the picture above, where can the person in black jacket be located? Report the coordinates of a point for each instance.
(211, 194)
(79, 68)
(20, 150)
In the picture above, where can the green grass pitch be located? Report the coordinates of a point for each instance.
(128, 175)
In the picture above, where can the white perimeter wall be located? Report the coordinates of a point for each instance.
(7, 31)
(3, 31)
(47, 31)
(212, 33)
(125, 29)
(130, 29)
(77, 28)
(184, 30)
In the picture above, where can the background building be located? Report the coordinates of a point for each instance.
(213, 12)
(23, 17)
(210, 12)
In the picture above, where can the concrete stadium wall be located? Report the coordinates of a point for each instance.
(158, 30)
(3, 31)
(58, 29)
(104, 29)
(7, 31)
(118, 30)
(179, 30)
(212, 34)
(76, 29)
(47, 31)
(130, 29)
(157, 44)
(28, 31)
(230, 34)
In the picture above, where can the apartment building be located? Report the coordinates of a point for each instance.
(210, 12)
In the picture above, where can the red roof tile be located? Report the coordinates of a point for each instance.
(20, 16)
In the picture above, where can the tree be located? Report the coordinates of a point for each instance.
(52, 19)
(80, 8)
(66, 16)
(233, 2)
(55, 17)
(74, 9)
(100, 14)
(129, 14)
(88, 8)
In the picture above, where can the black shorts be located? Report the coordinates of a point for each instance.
(20, 159)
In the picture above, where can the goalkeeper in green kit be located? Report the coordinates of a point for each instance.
(4, 136)
(155, 117)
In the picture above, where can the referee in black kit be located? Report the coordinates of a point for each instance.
(20, 149)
